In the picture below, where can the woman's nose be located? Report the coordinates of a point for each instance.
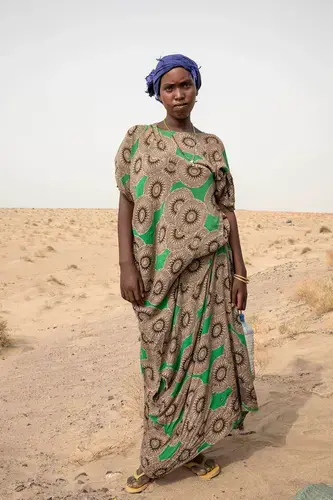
(179, 94)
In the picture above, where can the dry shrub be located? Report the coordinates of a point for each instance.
(261, 357)
(275, 243)
(261, 330)
(318, 294)
(27, 258)
(329, 258)
(123, 442)
(48, 305)
(134, 392)
(53, 279)
(293, 327)
(72, 266)
(325, 229)
(40, 254)
(291, 241)
(5, 340)
(50, 248)
(248, 261)
(305, 250)
(283, 329)
(259, 325)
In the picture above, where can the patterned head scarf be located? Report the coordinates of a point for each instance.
(166, 64)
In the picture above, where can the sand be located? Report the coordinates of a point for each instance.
(70, 398)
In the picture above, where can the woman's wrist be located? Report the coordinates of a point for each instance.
(240, 269)
(126, 262)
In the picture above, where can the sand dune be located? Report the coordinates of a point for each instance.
(70, 395)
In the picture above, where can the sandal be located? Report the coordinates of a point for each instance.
(203, 467)
(138, 482)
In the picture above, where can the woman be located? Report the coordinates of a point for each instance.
(182, 269)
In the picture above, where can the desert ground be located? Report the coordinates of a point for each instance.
(70, 398)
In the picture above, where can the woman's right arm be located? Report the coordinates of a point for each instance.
(131, 284)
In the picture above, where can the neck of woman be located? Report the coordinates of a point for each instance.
(179, 125)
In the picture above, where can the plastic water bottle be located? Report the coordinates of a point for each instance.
(249, 337)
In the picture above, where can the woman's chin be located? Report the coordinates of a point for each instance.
(181, 113)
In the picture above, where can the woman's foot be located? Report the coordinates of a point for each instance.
(205, 468)
(138, 482)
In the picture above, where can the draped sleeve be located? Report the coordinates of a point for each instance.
(123, 161)
(225, 190)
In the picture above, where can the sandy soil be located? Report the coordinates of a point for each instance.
(70, 400)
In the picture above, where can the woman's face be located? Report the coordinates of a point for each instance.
(178, 93)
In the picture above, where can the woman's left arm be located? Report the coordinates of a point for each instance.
(225, 197)
(239, 289)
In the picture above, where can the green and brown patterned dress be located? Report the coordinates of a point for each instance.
(197, 380)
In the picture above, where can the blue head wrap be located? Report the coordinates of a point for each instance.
(166, 64)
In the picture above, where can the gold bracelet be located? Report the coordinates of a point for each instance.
(242, 279)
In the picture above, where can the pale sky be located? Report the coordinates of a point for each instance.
(72, 78)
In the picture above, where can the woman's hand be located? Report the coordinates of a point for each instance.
(131, 284)
(239, 294)
(239, 289)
